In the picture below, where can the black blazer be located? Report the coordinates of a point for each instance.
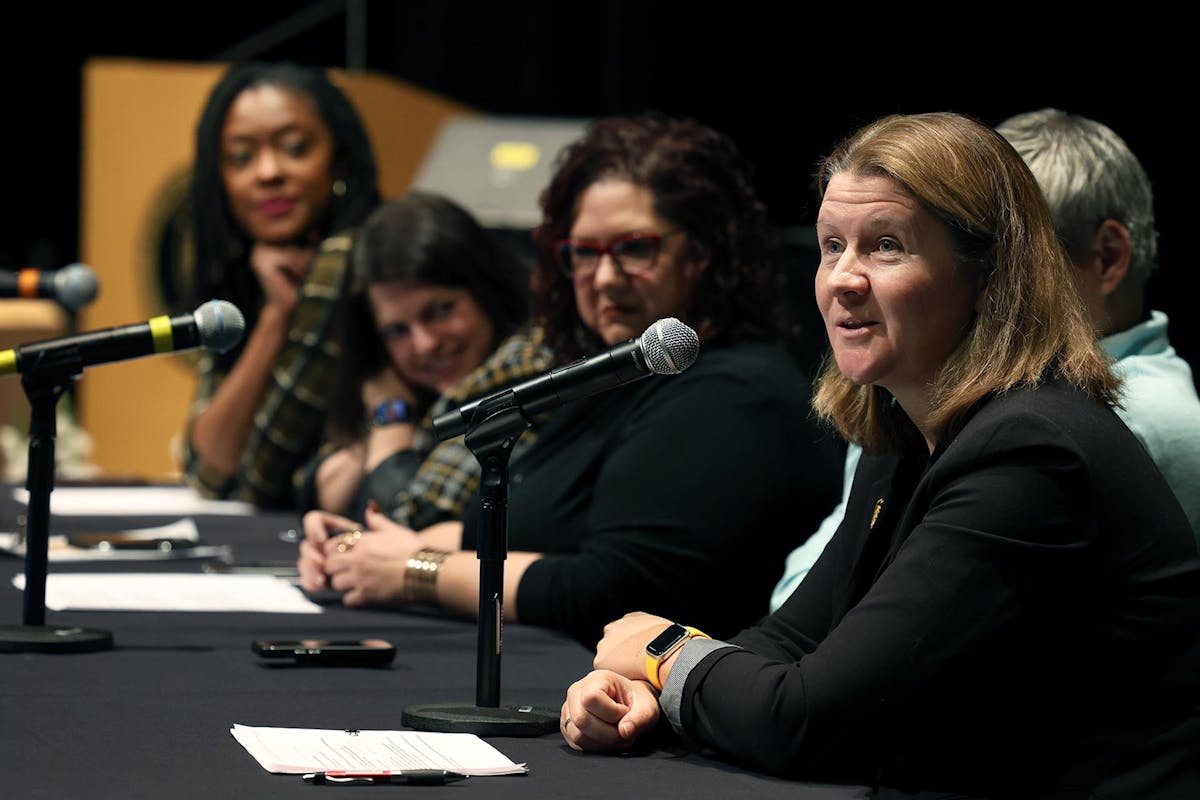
(1018, 611)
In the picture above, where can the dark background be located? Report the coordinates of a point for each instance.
(785, 81)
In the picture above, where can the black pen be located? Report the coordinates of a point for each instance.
(412, 777)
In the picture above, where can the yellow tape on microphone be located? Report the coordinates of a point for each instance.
(162, 333)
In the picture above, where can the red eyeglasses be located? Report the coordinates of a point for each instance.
(634, 254)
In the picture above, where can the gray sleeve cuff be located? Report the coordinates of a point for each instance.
(691, 654)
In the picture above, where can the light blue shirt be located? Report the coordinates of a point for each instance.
(1160, 407)
(800, 560)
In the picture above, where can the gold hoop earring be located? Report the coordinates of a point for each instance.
(339, 188)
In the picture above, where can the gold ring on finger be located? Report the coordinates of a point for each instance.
(348, 541)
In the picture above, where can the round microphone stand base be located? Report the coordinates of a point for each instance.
(52, 639)
(481, 721)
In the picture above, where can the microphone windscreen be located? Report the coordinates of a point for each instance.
(221, 325)
(75, 286)
(669, 346)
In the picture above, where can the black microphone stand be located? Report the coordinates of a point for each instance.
(494, 428)
(44, 385)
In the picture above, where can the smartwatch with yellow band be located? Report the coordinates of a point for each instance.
(663, 645)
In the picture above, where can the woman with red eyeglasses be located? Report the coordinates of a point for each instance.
(680, 493)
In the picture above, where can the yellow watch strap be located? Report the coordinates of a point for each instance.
(653, 665)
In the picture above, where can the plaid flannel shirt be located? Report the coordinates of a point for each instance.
(289, 423)
(448, 477)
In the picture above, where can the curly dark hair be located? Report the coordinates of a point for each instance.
(701, 184)
(221, 247)
(424, 239)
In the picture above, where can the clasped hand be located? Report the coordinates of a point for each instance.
(367, 569)
(608, 709)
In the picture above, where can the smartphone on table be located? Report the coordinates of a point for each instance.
(328, 652)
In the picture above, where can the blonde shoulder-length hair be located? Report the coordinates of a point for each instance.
(1032, 322)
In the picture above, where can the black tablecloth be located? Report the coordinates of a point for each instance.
(150, 718)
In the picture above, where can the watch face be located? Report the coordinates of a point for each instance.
(391, 411)
(661, 645)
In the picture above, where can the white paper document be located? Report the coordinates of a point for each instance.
(134, 591)
(299, 750)
(172, 501)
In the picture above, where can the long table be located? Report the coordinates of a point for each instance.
(150, 717)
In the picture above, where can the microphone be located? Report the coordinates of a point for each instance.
(666, 348)
(217, 325)
(72, 286)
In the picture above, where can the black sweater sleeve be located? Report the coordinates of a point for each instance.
(709, 484)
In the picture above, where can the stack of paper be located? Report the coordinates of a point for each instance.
(124, 501)
(178, 591)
